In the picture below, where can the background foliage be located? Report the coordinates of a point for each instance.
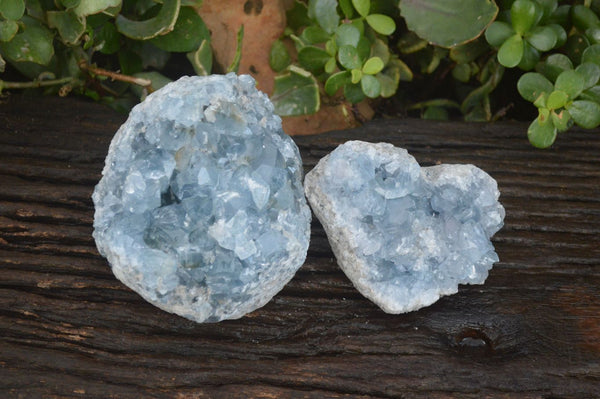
(438, 58)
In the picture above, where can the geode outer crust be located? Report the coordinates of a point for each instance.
(405, 235)
(201, 208)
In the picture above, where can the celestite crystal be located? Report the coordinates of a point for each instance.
(201, 208)
(403, 234)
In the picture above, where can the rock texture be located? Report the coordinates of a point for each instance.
(200, 208)
(403, 234)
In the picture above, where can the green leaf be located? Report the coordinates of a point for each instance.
(593, 35)
(237, 57)
(468, 52)
(12, 9)
(70, 3)
(532, 85)
(554, 65)
(373, 66)
(585, 113)
(591, 54)
(575, 47)
(498, 32)
(380, 49)
(583, 18)
(325, 13)
(391, 75)
(70, 26)
(8, 30)
(356, 75)
(313, 58)
(315, 34)
(297, 16)
(279, 57)
(462, 72)
(560, 16)
(152, 56)
(370, 86)
(187, 34)
(530, 57)
(348, 57)
(130, 62)
(202, 58)
(90, 7)
(381, 24)
(359, 24)
(541, 136)
(561, 34)
(436, 102)
(590, 73)
(336, 82)
(331, 47)
(571, 82)
(435, 114)
(363, 49)
(561, 120)
(542, 38)
(353, 93)
(161, 24)
(33, 44)
(591, 94)
(525, 14)
(511, 52)
(347, 35)
(410, 43)
(2, 66)
(347, 9)
(330, 65)
(362, 6)
(156, 78)
(448, 23)
(557, 99)
(109, 38)
(296, 93)
(548, 8)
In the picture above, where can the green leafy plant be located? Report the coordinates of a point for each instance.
(571, 96)
(340, 47)
(563, 94)
(342, 52)
(110, 50)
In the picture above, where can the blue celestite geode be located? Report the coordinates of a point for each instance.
(201, 208)
(403, 234)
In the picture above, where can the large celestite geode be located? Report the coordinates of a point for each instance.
(403, 234)
(201, 208)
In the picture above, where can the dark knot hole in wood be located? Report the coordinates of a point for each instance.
(472, 341)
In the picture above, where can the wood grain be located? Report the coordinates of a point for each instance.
(68, 328)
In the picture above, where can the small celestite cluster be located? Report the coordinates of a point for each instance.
(201, 208)
(403, 234)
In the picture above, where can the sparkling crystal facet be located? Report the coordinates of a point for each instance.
(403, 234)
(200, 208)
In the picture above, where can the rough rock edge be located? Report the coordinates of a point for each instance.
(123, 268)
(339, 238)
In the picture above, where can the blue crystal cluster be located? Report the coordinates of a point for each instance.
(201, 208)
(405, 235)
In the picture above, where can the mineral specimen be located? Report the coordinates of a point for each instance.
(201, 208)
(403, 234)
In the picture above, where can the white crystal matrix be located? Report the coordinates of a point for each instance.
(200, 208)
(403, 234)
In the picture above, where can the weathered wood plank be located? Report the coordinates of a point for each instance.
(68, 328)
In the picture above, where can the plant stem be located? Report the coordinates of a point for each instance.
(147, 83)
(34, 83)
